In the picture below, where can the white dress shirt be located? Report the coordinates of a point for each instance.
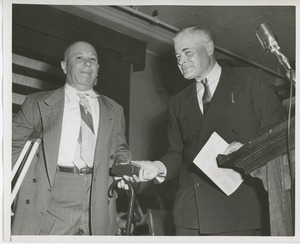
(212, 80)
(71, 123)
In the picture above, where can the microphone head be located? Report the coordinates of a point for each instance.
(267, 38)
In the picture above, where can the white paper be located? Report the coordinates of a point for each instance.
(227, 180)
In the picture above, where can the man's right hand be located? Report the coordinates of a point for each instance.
(149, 170)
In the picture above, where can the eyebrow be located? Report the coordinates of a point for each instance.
(183, 50)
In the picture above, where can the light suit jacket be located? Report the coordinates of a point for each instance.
(41, 115)
(243, 106)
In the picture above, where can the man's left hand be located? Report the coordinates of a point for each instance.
(232, 147)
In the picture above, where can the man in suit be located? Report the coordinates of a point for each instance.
(240, 106)
(83, 135)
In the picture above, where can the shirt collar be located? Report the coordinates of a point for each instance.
(71, 92)
(214, 74)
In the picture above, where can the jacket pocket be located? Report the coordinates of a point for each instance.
(47, 224)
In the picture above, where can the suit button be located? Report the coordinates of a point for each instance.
(112, 157)
(27, 201)
(34, 180)
(197, 184)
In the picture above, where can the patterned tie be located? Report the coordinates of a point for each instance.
(87, 138)
(206, 98)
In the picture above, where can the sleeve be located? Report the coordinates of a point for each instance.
(24, 126)
(266, 104)
(173, 158)
(122, 153)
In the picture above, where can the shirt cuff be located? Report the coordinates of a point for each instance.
(162, 176)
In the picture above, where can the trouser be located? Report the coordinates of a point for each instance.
(195, 232)
(69, 205)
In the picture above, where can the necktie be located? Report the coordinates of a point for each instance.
(86, 140)
(206, 98)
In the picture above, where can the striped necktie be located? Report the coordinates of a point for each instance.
(206, 98)
(87, 138)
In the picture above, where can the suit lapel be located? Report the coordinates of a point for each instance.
(190, 107)
(52, 113)
(221, 101)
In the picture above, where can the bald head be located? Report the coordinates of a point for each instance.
(75, 45)
(81, 65)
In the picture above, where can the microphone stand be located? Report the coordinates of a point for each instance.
(290, 73)
(269, 43)
(283, 60)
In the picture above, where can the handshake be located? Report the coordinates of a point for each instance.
(139, 171)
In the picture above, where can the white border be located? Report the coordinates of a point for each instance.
(7, 113)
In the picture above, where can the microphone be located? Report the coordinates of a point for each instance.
(269, 42)
(267, 38)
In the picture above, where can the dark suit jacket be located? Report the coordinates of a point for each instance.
(41, 115)
(243, 106)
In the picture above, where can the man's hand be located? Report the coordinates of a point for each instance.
(232, 147)
(148, 171)
(121, 184)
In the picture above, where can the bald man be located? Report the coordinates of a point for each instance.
(83, 135)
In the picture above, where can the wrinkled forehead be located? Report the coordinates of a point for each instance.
(187, 40)
(80, 47)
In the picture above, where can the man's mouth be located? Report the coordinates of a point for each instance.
(86, 72)
(185, 69)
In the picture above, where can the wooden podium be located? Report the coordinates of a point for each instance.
(266, 157)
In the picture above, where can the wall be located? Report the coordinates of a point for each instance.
(150, 90)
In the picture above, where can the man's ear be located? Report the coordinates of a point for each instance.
(63, 66)
(210, 47)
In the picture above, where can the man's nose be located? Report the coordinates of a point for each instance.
(181, 60)
(87, 62)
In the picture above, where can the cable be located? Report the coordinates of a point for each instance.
(291, 168)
